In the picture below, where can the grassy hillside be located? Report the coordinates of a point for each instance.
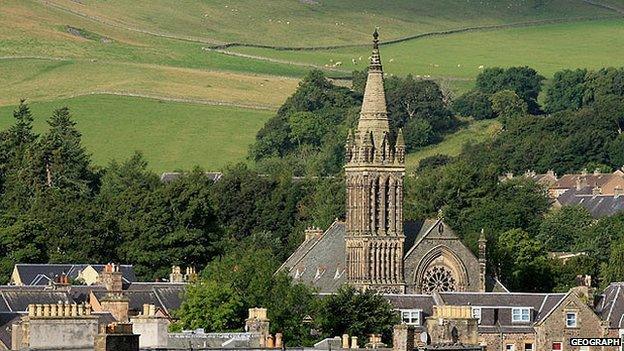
(57, 52)
(476, 131)
(170, 135)
(547, 48)
(317, 22)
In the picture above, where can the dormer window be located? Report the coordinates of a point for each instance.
(520, 315)
(570, 319)
(410, 317)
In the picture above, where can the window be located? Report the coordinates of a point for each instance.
(570, 319)
(476, 313)
(520, 314)
(510, 347)
(411, 317)
(584, 348)
(556, 346)
(528, 347)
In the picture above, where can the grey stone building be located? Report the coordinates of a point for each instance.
(374, 248)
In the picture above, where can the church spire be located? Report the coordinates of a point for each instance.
(374, 115)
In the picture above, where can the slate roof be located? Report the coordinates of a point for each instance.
(610, 305)
(43, 274)
(320, 261)
(17, 300)
(6, 321)
(167, 296)
(598, 205)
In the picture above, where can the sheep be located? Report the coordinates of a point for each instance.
(481, 67)
(391, 60)
(354, 61)
(339, 63)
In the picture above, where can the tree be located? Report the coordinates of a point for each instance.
(410, 99)
(562, 229)
(61, 161)
(521, 262)
(418, 132)
(565, 273)
(16, 143)
(356, 313)
(524, 81)
(566, 90)
(507, 106)
(307, 128)
(603, 83)
(475, 104)
(613, 271)
(211, 305)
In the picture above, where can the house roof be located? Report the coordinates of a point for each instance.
(610, 305)
(598, 205)
(43, 274)
(6, 322)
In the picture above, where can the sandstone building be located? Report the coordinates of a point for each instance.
(375, 248)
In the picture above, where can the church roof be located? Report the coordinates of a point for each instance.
(320, 261)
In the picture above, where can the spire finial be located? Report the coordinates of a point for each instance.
(376, 38)
(375, 63)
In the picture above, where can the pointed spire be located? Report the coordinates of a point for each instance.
(374, 115)
(400, 140)
(375, 64)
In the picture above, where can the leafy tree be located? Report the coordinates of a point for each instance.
(211, 305)
(410, 99)
(598, 240)
(356, 313)
(306, 129)
(616, 151)
(244, 278)
(418, 132)
(524, 81)
(475, 104)
(613, 270)
(507, 106)
(562, 229)
(603, 83)
(565, 273)
(566, 90)
(521, 262)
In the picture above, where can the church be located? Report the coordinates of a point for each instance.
(374, 248)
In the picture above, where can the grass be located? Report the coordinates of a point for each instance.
(171, 136)
(58, 52)
(49, 79)
(547, 48)
(318, 22)
(451, 145)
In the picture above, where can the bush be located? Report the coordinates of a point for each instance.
(474, 104)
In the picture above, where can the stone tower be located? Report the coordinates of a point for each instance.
(374, 173)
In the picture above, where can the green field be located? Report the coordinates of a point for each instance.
(547, 48)
(476, 131)
(57, 52)
(170, 135)
(317, 22)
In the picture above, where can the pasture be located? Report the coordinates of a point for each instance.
(171, 136)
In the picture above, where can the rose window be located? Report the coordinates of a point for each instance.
(438, 279)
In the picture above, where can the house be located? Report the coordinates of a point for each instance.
(508, 321)
(28, 274)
